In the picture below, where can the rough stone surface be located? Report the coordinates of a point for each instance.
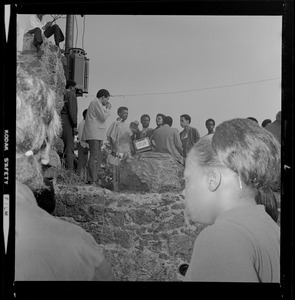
(49, 67)
(151, 172)
(145, 237)
(54, 159)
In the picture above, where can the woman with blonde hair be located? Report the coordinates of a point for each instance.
(46, 248)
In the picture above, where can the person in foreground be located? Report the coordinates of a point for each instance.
(231, 178)
(46, 248)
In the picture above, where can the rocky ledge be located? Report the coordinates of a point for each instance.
(145, 237)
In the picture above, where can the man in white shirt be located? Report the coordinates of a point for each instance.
(38, 27)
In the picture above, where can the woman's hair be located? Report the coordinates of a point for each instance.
(249, 150)
(37, 124)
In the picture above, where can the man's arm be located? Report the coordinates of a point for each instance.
(177, 142)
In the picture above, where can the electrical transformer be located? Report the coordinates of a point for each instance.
(78, 69)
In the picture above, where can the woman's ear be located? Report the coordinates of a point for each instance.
(214, 180)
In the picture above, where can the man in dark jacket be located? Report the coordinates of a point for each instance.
(69, 123)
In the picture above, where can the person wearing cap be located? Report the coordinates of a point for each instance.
(69, 124)
(94, 132)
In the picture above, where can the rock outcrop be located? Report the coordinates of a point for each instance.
(145, 237)
(50, 67)
(151, 172)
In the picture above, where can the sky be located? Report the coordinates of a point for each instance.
(219, 67)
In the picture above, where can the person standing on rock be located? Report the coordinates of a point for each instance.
(69, 124)
(83, 149)
(159, 120)
(119, 136)
(46, 248)
(39, 28)
(146, 130)
(167, 140)
(189, 136)
(94, 133)
(210, 124)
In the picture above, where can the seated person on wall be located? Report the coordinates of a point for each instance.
(167, 140)
(38, 27)
(46, 248)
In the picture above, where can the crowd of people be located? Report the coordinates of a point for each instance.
(232, 179)
(121, 137)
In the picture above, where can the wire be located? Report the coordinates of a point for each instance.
(198, 89)
(193, 90)
(83, 32)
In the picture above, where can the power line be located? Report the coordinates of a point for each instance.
(198, 89)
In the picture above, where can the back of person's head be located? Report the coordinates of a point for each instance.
(265, 122)
(144, 116)
(70, 83)
(279, 116)
(84, 113)
(253, 119)
(187, 117)
(168, 120)
(120, 109)
(253, 153)
(210, 120)
(102, 93)
(37, 124)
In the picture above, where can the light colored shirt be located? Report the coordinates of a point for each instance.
(119, 135)
(95, 121)
(47, 248)
(34, 22)
(243, 245)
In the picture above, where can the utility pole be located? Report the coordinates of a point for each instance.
(69, 42)
(69, 33)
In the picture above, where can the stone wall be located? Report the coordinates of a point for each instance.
(145, 237)
(50, 67)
